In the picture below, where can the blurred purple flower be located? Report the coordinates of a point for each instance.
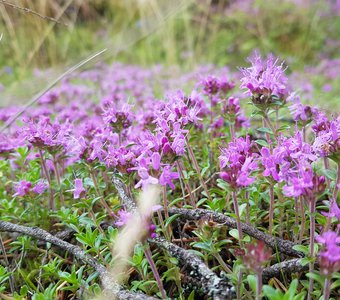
(167, 176)
(330, 255)
(40, 187)
(79, 191)
(22, 188)
(123, 217)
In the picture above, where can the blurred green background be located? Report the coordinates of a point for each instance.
(147, 32)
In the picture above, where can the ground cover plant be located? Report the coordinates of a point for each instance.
(247, 175)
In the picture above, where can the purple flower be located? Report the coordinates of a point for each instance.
(334, 211)
(330, 255)
(237, 162)
(123, 217)
(22, 188)
(264, 79)
(301, 113)
(40, 187)
(327, 137)
(79, 191)
(167, 176)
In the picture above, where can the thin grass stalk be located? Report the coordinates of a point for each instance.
(148, 256)
(334, 198)
(193, 158)
(222, 263)
(247, 208)
(192, 201)
(327, 288)
(259, 284)
(271, 208)
(238, 219)
(51, 202)
(57, 175)
(166, 213)
(303, 220)
(296, 223)
(102, 200)
(312, 205)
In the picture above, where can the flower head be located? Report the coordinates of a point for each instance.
(330, 255)
(22, 188)
(79, 190)
(123, 217)
(257, 254)
(237, 162)
(264, 79)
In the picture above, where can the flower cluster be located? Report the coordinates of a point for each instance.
(264, 79)
(257, 254)
(330, 255)
(237, 162)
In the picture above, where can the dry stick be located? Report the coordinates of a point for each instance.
(284, 246)
(287, 267)
(213, 285)
(111, 288)
(129, 203)
(32, 12)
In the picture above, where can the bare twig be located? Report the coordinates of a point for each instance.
(283, 246)
(32, 12)
(287, 267)
(213, 285)
(111, 288)
(129, 203)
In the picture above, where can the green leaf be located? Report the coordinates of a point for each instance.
(301, 248)
(252, 282)
(171, 219)
(265, 130)
(262, 143)
(292, 289)
(203, 246)
(192, 296)
(234, 233)
(272, 293)
(283, 128)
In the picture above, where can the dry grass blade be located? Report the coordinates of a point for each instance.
(32, 12)
(52, 84)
